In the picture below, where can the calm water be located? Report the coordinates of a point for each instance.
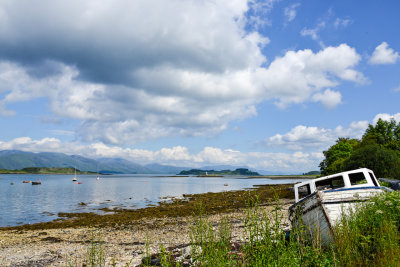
(23, 203)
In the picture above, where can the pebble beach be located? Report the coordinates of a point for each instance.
(124, 245)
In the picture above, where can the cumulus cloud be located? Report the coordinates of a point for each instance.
(290, 12)
(386, 117)
(383, 54)
(304, 138)
(328, 98)
(132, 71)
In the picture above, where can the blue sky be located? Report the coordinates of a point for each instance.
(267, 84)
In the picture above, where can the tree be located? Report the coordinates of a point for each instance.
(384, 162)
(386, 133)
(378, 150)
(336, 155)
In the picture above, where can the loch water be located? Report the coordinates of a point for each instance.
(24, 203)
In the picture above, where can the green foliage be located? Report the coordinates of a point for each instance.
(384, 162)
(336, 155)
(211, 247)
(386, 133)
(370, 233)
(379, 150)
(266, 243)
(312, 173)
(96, 255)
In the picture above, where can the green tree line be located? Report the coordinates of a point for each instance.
(378, 150)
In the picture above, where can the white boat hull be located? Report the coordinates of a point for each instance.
(320, 211)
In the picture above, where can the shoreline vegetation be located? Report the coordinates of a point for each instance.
(213, 173)
(234, 228)
(253, 235)
(213, 203)
(124, 233)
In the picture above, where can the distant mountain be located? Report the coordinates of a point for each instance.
(16, 160)
(118, 165)
(166, 169)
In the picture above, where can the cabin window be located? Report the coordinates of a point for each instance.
(373, 179)
(304, 190)
(331, 183)
(357, 178)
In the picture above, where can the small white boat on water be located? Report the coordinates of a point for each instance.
(74, 179)
(320, 202)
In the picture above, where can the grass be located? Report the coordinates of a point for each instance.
(368, 235)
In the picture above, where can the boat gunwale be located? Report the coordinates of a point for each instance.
(337, 190)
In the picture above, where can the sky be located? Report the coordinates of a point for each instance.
(265, 84)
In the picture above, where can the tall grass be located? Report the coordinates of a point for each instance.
(370, 233)
(264, 242)
(95, 252)
(367, 235)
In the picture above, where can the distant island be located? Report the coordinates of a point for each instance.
(240, 171)
(44, 170)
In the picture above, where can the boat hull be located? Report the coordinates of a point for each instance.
(320, 211)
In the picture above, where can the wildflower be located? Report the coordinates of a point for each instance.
(388, 202)
(379, 212)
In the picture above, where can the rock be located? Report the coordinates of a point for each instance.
(393, 184)
(152, 261)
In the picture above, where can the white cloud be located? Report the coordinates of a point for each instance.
(257, 13)
(384, 55)
(339, 22)
(290, 12)
(296, 76)
(308, 138)
(330, 99)
(314, 32)
(132, 71)
(302, 138)
(386, 117)
(169, 101)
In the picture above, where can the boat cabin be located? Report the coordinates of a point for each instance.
(351, 179)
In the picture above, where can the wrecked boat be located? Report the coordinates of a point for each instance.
(320, 202)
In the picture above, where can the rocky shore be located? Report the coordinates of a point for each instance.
(123, 244)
